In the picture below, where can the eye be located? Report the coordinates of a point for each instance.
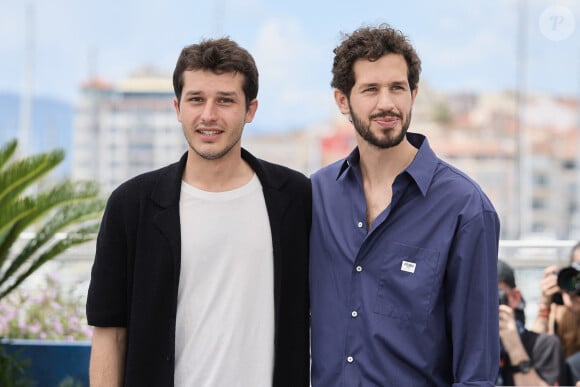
(226, 100)
(370, 89)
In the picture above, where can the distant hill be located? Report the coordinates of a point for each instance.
(50, 125)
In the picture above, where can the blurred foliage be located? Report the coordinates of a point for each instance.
(55, 217)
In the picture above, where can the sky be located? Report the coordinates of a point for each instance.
(465, 46)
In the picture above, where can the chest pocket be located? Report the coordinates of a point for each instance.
(406, 287)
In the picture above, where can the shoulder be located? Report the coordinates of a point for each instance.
(328, 172)
(135, 186)
(281, 171)
(458, 186)
(541, 345)
(456, 179)
(276, 176)
(288, 181)
(546, 341)
(440, 179)
(143, 185)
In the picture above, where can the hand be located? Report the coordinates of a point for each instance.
(508, 329)
(549, 285)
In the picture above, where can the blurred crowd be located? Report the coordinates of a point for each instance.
(549, 353)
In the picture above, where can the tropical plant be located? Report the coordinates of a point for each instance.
(57, 217)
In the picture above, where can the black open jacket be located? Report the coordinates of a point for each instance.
(135, 275)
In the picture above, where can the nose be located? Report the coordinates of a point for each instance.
(208, 113)
(385, 100)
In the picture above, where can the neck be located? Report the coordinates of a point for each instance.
(224, 174)
(378, 164)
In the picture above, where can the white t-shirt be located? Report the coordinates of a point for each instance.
(225, 309)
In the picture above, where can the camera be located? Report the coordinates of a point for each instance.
(569, 279)
(503, 300)
(557, 298)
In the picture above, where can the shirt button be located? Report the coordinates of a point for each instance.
(350, 359)
(360, 224)
(359, 268)
(354, 313)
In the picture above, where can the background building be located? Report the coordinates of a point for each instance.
(122, 131)
(479, 133)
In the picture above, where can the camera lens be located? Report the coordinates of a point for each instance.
(569, 279)
(502, 297)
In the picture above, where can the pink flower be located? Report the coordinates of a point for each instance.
(50, 312)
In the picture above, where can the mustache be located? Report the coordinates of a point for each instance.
(384, 113)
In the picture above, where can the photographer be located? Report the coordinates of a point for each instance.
(569, 283)
(559, 312)
(527, 358)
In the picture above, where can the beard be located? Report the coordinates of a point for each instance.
(213, 154)
(363, 128)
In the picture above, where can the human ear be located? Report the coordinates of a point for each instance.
(251, 112)
(341, 101)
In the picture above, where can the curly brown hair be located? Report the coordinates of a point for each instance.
(220, 56)
(372, 43)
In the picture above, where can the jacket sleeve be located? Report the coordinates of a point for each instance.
(107, 298)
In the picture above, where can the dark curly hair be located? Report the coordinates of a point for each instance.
(372, 43)
(220, 56)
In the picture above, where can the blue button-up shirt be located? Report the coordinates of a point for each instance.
(413, 300)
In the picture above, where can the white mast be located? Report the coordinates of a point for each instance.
(27, 88)
(523, 169)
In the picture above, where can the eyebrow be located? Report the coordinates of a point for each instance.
(400, 83)
(367, 84)
(219, 93)
(393, 83)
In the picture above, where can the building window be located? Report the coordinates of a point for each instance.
(538, 204)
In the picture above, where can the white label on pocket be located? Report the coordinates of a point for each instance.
(409, 267)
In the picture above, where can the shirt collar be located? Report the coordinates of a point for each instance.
(350, 161)
(421, 169)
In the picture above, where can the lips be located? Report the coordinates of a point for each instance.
(209, 132)
(387, 120)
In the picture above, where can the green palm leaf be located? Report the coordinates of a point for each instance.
(82, 235)
(70, 215)
(57, 217)
(7, 151)
(18, 176)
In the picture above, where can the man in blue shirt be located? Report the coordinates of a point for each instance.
(403, 260)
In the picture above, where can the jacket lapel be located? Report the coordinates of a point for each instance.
(165, 195)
